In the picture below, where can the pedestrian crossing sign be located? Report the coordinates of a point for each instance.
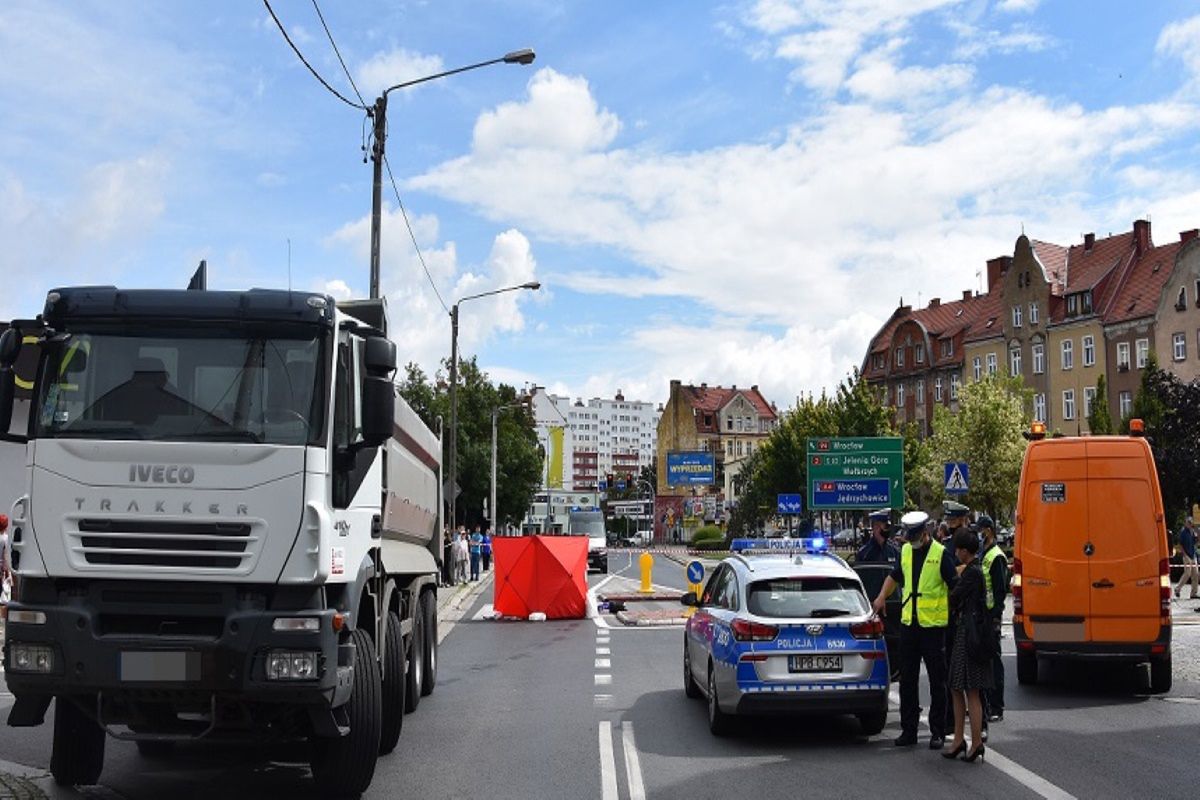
(957, 477)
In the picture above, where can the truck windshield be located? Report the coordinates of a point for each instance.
(238, 384)
(586, 523)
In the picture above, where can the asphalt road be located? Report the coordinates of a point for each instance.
(573, 709)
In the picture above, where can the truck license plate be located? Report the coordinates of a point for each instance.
(160, 665)
(815, 663)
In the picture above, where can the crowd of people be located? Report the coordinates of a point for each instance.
(465, 555)
(953, 580)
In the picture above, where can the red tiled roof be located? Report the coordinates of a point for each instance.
(943, 321)
(713, 398)
(1138, 296)
(1088, 267)
(1054, 260)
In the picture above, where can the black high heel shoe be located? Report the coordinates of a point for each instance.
(976, 752)
(954, 753)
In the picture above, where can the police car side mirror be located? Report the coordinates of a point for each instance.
(690, 599)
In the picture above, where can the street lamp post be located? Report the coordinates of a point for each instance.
(649, 486)
(532, 286)
(378, 113)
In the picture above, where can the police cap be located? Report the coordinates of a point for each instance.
(914, 523)
(882, 515)
(985, 523)
(952, 509)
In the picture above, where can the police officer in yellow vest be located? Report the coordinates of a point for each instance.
(925, 574)
(995, 578)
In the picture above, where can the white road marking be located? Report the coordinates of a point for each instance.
(603, 700)
(633, 767)
(603, 680)
(603, 663)
(487, 612)
(608, 764)
(603, 651)
(1027, 778)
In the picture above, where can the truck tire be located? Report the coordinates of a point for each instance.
(344, 767)
(152, 748)
(415, 663)
(77, 753)
(394, 681)
(429, 615)
(1160, 675)
(1027, 668)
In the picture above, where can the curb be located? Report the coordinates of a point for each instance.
(638, 597)
(625, 618)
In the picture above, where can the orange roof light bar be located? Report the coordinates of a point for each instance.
(1136, 427)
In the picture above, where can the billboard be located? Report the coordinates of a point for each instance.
(691, 469)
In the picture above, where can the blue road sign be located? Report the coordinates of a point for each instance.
(620, 486)
(789, 504)
(866, 493)
(958, 478)
(603, 485)
(695, 572)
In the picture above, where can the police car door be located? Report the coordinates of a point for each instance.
(699, 626)
(721, 644)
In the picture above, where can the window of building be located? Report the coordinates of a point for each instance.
(878, 362)
(1033, 313)
(1068, 404)
(739, 448)
(937, 388)
(1072, 305)
(947, 347)
(1125, 404)
(991, 363)
(1039, 358)
(1068, 354)
(1014, 361)
(954, 386)
(977, 365)
(729, 448)
(1142, 347)
(899, 356)
(1089, 397)
(729, 424)
(1016, 316)
(1089, 351)
(920, 393)
(1122, 355)
(899, 394)
(920, 354)
(1039, 407)
(1085, 301)
(1181, 300)
(1178, 346)
(738, 424)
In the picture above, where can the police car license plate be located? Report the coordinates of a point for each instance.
(815, 663)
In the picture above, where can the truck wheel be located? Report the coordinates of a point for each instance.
(1027, 668)
(77, 753)
(415, 662)
(1160, 675)
(343, 767)
(152, 748)
(429, 614)
(394, 681)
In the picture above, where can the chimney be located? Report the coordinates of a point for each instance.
(620, 397)
(905, 309)
(733, 387)
(754, 388)
(996, 267)
(1187, 236)
(966, 294)
(1089, 239)
(703, 385)
(1141, 235)
(934, 302)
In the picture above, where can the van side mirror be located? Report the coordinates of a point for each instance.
(690, 600)
(379, 410)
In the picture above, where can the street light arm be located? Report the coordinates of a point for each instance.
(516, 57)
(532, 285)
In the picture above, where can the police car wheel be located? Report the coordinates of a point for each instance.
(690, 689)
(719, 722)
(873, 723)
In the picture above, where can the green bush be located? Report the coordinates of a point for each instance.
(707, 533)
(710, 544)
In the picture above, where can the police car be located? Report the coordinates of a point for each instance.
(786, 631)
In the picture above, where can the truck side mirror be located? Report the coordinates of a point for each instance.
(379, 356)
(8, 391)
(379, 410)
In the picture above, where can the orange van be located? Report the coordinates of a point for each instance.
(1090, 560)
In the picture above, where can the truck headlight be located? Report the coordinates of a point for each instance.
(291, 665)
(297, 624)
(37, 658)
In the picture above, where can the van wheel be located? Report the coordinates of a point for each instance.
(429, 615)
(344, 767)
(1160, 675)
(415, 676)
(1027, 668)
(77, 752)
(394, 686)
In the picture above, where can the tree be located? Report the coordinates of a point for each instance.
(1171, 411)
(1149, 403)
(1099, 421)
(986, 433)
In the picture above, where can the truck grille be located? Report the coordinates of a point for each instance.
(154, 543)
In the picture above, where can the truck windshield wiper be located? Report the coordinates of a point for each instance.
(116, 431)
(829, 612)
(239, 434)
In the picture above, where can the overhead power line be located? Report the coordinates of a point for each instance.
(303, 60)
(338, 53)
(413, 236)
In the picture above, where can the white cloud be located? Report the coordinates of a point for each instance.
(561, 114)
(1018, 6)
(300, 35)
(270, 180)
(1182, 40)
(877, 78)
(388, 68)
(337, 288)
(975, 43)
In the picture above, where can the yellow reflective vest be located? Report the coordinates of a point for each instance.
(933, 596)
(989, 557)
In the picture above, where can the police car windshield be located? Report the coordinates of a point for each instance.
(806, 597)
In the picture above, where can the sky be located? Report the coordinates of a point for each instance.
(735, 192)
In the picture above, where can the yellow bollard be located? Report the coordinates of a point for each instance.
(646, 562)
(697, 588)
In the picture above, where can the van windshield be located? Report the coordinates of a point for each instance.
(586, 523)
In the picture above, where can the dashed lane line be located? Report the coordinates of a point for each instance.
(603, 679)
(603, 663)
(608, 764)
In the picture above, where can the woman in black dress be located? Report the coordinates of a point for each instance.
(967, 676)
